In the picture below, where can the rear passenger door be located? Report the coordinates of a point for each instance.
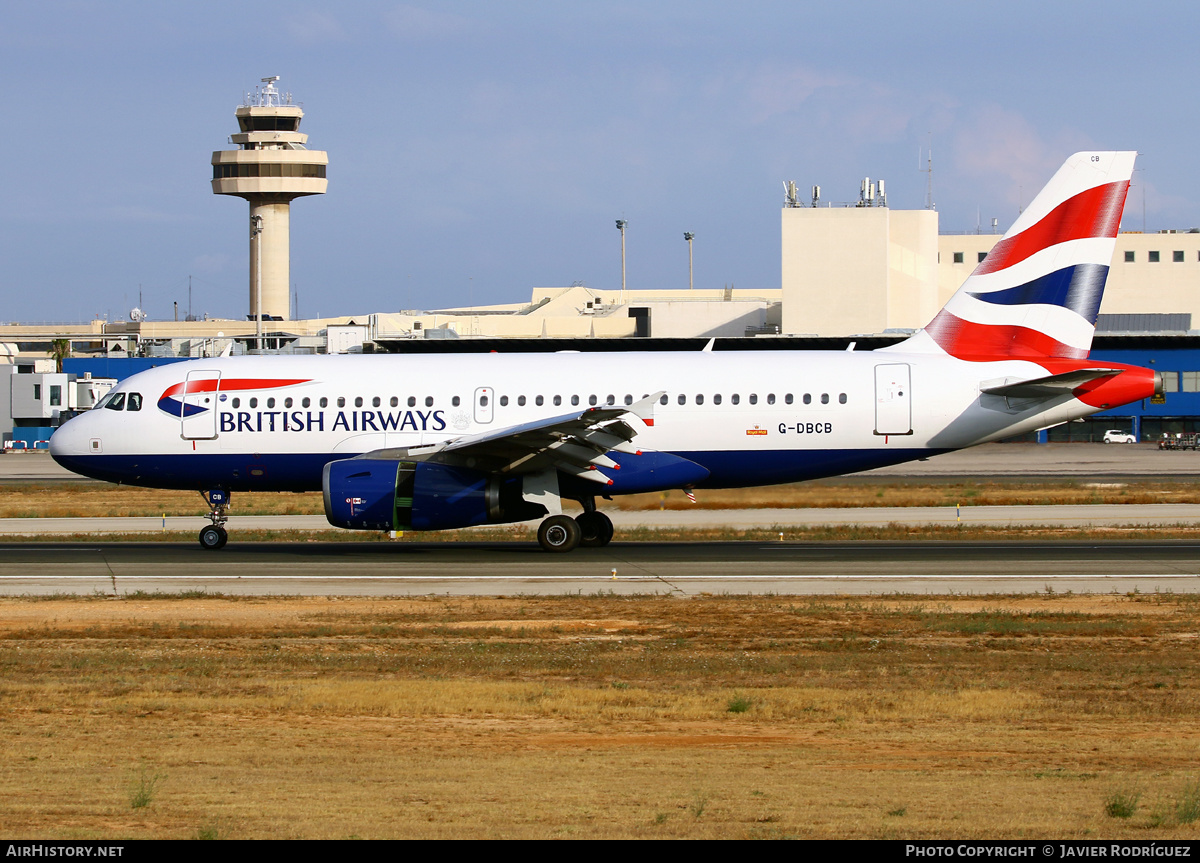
(893, 401)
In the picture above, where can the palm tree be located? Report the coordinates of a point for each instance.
(60, 349)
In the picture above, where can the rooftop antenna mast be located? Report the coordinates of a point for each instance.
(928, 170)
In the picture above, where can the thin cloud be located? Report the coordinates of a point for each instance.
(415, 24)
(310, 27)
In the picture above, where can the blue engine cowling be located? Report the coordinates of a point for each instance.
(383, 494)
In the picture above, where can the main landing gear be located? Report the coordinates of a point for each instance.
(596, 529)
(561, 533)
(215, 536)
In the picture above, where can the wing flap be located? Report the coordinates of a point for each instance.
(574, 443)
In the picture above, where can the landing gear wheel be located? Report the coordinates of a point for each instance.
(213, 537)
(596, 529)
(559, 533)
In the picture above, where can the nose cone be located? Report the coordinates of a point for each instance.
(70, 444)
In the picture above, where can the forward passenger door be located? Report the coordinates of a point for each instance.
(198, 406)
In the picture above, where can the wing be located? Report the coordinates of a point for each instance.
(574, 443)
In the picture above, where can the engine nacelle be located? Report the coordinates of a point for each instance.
(384, 494)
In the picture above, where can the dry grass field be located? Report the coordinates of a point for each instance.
(88, 499)
(650, 717)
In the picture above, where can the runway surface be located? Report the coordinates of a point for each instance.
(465, 568)
(522, 568)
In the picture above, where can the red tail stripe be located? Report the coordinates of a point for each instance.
(1095, 213)
(965, 339)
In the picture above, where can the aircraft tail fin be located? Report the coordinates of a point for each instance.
(1038, 291)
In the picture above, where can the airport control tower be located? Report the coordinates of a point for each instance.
(271, 167)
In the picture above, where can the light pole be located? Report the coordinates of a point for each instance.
(621, 223)
(689, 236)
(256, 235)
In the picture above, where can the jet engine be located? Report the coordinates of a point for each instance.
(387, 494)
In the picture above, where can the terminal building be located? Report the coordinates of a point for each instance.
(858, 272)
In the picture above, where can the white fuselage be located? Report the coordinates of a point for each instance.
(751, 418)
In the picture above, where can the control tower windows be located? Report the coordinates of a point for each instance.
(267, 169)
(269, 124)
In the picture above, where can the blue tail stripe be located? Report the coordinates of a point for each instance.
(1078, 288)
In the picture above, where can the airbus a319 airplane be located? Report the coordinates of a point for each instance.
(404, 442)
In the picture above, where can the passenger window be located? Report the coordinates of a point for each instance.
(341, 402)
(287, 403)
(699, 399)
(428, 401)
(375, 402)
(628, 399)
(664, 399)
(412, 401)
(521, 401)
(682, 399)
(770, 398)
(612, 400)
(117, 403)
(808, 398)
(787, 400)
(237, 403)
(503, 401)
(717, 399)
(324, 402)
(456, 401)
(395, 401)
(592, 400)
(254, 402)
(307, 402)
(824, 398)
(539, 401)
(842, 398)
(357, 401)
(575, 400)
(271, 402)
(557, 400)
(135, 402)
(483, 401)
(753, 398)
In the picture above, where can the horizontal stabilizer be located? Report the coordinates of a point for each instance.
(1053, 385)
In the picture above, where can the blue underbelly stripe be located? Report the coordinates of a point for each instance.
(302, 471)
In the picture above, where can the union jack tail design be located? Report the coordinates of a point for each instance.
(1038, 291)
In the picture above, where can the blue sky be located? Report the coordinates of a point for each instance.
(478, 149)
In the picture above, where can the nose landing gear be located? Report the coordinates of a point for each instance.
(215, 536)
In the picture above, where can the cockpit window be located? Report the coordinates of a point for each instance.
(134, 402)
(117, 403)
